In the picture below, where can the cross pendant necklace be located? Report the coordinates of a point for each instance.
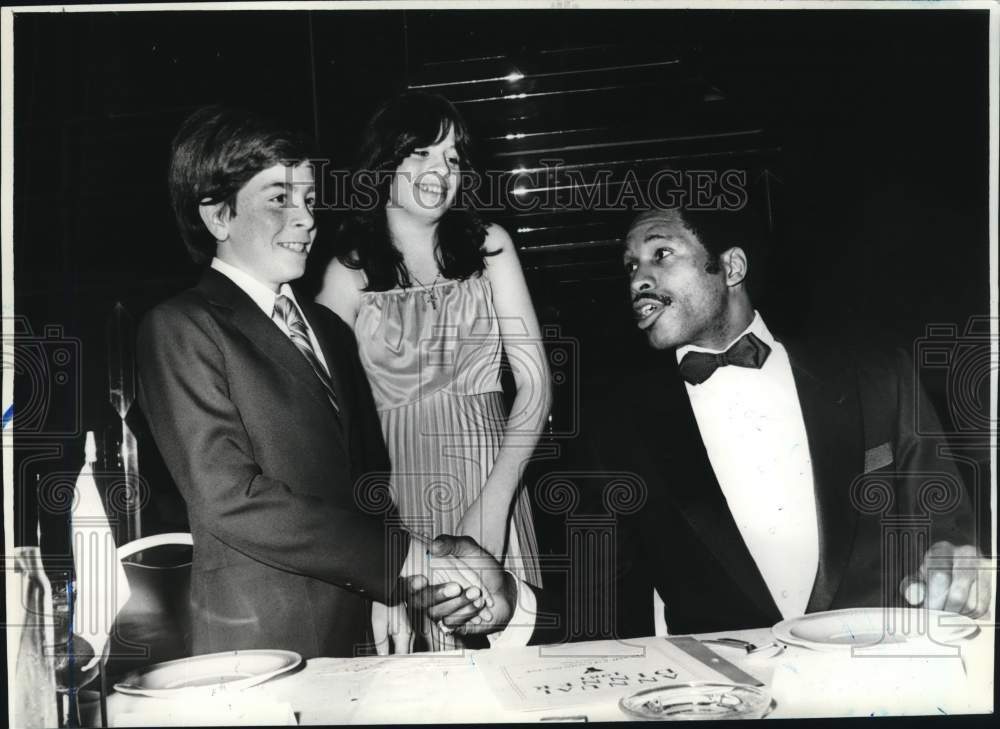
(430, 295)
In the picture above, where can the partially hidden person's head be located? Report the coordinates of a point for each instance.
(242, 189)
(688, 277)
(414, 151)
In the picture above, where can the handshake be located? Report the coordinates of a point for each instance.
(455, 584)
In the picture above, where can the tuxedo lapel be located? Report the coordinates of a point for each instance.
(265, 335)
(695, 489)
(831, 413)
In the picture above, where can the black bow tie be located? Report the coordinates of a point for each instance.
(747, 351)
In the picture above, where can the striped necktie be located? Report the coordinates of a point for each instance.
(287, 313)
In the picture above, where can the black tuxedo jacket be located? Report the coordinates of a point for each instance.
(286, 553)
(875, 479)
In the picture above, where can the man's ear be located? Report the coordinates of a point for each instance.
(734, 263)
(216, 217)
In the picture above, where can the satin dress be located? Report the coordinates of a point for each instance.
(433, 358)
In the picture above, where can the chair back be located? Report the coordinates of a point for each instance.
(155, 623)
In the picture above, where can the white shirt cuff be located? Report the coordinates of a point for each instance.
(522, 623)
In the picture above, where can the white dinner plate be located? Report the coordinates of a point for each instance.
(231, 671)
(868, 627)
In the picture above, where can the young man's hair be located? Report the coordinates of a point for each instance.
(216, 152)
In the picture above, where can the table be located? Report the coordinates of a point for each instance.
(448, 688)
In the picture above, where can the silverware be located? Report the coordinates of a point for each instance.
(747, 646)
(770, 646)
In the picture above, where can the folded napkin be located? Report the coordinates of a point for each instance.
(235, 710)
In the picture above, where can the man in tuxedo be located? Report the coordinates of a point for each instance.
(770, 479)
(258, 402)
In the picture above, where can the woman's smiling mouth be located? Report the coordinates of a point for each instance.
(431, 189)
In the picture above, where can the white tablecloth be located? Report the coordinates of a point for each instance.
(440, 689)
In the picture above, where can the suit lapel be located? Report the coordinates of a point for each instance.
(265, 335)
(831, 413)
(695, 488)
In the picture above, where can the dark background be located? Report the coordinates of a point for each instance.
(863, 135)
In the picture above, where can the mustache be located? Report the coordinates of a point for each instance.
(652, 296)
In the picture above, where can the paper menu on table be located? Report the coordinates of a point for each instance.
(532, 678)
(396, 690)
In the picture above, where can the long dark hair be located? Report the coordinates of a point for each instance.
(409, 121)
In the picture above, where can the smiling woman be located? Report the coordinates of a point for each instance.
(414, 154)
(436, 298)
(425, 181)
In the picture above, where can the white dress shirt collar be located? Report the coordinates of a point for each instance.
(751, 425)
(259, 292)
(756, 326)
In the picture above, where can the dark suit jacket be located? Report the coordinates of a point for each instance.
(674, 531)
(286, 554)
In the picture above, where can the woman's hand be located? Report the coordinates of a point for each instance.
(486, 521)
(391, 627)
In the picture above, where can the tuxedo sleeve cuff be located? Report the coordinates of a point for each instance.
(522, 623)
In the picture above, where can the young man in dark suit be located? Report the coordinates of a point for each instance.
(771, 480)
(262, 412)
